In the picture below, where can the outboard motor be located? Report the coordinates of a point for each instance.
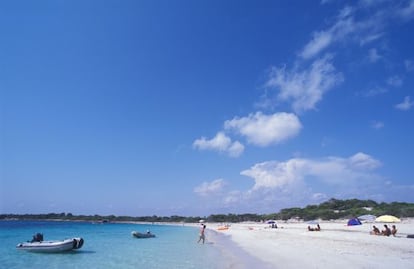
(77, 243)
(37, 238)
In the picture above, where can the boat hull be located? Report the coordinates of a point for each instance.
(52, 246)
(142, 235)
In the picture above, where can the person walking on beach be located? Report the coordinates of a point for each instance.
(202, 233)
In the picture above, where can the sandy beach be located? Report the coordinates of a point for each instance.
(291, 245)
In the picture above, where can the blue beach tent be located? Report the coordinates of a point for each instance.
(354, 221)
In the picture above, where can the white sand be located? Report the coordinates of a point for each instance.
(336, 245)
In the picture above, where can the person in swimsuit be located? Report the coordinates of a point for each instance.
(202, 233)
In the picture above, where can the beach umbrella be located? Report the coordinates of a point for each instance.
(271, 222)
(387, 218)
(313, 222)
(369, 218)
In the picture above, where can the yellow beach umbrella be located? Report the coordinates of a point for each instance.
(387, 218)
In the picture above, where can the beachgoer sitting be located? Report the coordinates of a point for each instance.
(375, 231)
(394, 230)
(318, 228)
(386, 231)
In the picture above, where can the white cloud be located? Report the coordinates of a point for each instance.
(395, 81)
(263, 130)
(373, 55)
(363, 161)
(375, 91)
(332, 170)
(406, 104)
(320, 41)
(406, 12)
(233, 197)
(221, 143)
(370, 38)
(259, 129)
(377, 125)
(305, 88)
(235, 149)
(353, 25)
(323, 39)
(303, 181)
(274, 174)
(210, 188)
(278, 184)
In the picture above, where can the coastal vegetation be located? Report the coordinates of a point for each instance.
(329, 210)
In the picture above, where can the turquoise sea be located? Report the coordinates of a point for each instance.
(110, 245)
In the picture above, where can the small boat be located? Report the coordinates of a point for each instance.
(142, 235)
(53, 246)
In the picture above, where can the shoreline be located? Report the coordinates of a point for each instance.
(291, 245)
(235, 257)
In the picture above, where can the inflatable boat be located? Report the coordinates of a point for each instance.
(142, 235)
(54, 246)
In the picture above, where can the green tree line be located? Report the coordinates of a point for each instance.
(329, 210)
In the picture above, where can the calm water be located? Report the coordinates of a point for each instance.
(112, 246)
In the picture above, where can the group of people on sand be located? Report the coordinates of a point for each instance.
(386, 231)
(316, 229)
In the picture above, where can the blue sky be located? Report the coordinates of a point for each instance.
(204, 107)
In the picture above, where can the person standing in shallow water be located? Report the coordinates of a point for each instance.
(202, 233)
